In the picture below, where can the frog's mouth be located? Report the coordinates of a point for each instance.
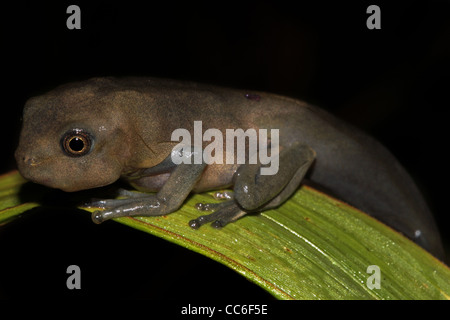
(34, 171)
(32, 175)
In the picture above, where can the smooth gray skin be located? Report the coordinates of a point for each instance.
(131, 121)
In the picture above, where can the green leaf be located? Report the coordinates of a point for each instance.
(10, 203)
(312, 247)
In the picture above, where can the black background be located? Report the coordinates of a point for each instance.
(392, 83)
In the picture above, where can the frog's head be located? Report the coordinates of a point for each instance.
(73, 138)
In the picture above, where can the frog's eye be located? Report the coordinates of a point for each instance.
(76, 143)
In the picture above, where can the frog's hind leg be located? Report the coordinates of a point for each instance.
(225, 213)
(223, 195)
(255, 192)
(228, 196)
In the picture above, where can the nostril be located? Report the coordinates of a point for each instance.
(30, 161)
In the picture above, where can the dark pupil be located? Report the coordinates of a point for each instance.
(76, 144)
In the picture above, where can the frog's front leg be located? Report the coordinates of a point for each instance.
(254, 192)
(169, 198)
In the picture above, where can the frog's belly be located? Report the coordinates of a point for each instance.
(214, 177)
(150, 183)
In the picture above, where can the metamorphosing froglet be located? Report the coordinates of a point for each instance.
(89, 134)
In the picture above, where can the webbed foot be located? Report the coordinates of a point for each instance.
(223, 214)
